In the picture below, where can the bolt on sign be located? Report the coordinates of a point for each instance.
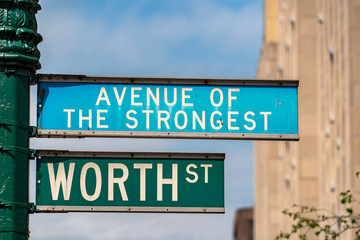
(129, 182)
(81, 106)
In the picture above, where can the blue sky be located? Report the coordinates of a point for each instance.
(164, 38)
(187, 38)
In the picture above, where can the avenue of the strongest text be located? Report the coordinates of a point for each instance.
(162, 117)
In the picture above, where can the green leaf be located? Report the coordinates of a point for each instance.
(350, 211)
(334, 235)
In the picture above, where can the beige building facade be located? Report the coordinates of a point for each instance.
(317, 42)
(244, 224)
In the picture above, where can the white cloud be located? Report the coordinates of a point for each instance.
(130, 226)
(207, 40)
(208, 37)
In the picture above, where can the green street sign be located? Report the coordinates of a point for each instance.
(129, 182)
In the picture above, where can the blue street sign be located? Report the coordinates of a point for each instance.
(75, 106)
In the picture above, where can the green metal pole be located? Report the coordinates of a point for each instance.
(19, 59)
